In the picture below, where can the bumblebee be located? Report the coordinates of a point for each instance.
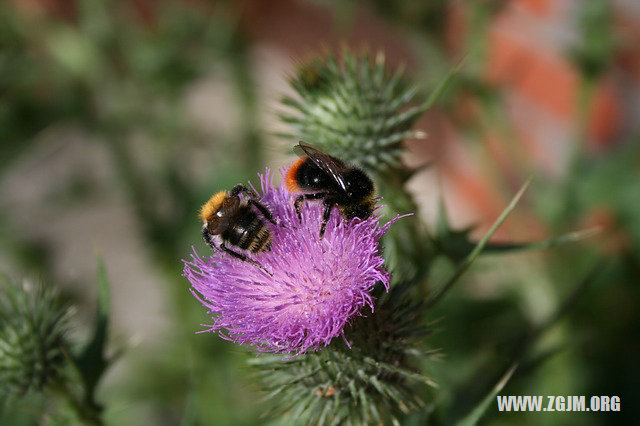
(229, 221)
(319, 176)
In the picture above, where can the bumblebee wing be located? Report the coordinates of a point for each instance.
(331, 166)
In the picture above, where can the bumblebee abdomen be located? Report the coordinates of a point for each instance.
(262, 241)
(359, 185)
(248, 231)
(291, 178)
(305, 176)
(362, 209)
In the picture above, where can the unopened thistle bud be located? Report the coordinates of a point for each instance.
(33, 328)
(353, 109)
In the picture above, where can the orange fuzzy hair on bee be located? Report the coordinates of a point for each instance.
(290, 178)
(213, 205)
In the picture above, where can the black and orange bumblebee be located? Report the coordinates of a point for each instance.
(229, 221)
(319, 176)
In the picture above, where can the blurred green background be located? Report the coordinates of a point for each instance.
(118, 119)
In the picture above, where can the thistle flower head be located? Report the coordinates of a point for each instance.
(353, 108)
(373, 382)
(33, 328)
(317, 287)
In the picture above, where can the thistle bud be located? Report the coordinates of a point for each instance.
(33, 328)
(353, 109)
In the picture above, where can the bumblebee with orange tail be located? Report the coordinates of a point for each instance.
(319, 176)
(229, 221)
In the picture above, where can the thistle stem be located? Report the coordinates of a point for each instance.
(88, 412)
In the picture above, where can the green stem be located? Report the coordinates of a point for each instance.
(246, 90)
(577, 153)
(88, 412)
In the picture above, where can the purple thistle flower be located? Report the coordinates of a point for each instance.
(317, 286)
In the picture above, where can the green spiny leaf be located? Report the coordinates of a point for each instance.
(570, 237)
(476, 414)
(466, 263)
(442, 86)
(92, 362)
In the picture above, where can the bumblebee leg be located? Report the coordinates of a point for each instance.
(242, 257)
(240, 188)
(328, 205)
(265, 212)
(298, 203)
(252, 199)
(207, 237)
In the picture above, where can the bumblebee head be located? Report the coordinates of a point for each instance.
(217, 212)
(213, 206)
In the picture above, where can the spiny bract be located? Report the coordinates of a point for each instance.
(353, 109)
